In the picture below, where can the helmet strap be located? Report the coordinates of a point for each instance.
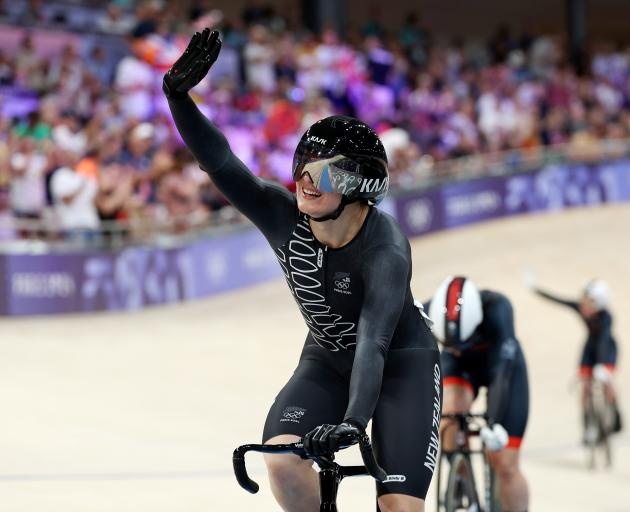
(335, 214)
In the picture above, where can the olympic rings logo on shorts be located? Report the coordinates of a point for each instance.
(293, 413)
(342, 285)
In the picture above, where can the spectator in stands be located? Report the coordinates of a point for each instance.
(259, 60)
(114, 21)
(31, 13)
(34, 127)
(25, 58)
(448, 101)
(138, 154)
(67, 67)
(69, 135)
(98, 65)
(28, 167)
(74, 204)
(114, 195)
(134, 82)
(7, 69)
(104, 148)
(147, 18)
(180, 195)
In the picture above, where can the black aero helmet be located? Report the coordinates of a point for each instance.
(362, 175)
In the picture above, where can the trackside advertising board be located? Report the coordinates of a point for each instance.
(137, 277)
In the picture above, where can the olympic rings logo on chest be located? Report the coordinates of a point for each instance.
(342, 283)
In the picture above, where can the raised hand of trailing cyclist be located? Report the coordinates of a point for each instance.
(494, 438)
(327, 439)
(202, 51)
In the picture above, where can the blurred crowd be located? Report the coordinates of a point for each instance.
(99, 148)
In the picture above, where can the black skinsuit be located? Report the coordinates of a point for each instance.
(368, 353)
(600, 346)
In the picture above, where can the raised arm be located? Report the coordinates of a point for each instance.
(554, 298)
(268, 205)
(386, 277)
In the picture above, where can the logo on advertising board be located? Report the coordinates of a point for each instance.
(472, 205)
(216, 266)
(134, 278)
(43, 285)
(557, 186)
(419, 214)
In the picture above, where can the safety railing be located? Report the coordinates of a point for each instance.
(429, 173)
(45, 234)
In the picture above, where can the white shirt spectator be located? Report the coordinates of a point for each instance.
(394, 139)
(496, 116)
(74, 196)
(259, 66)
(608, 97)
(134, 81)
(28, 188)
(326, 56)
(65, 138)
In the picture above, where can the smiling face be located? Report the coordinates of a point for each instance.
(312, 201)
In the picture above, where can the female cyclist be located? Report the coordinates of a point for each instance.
(368, 353)
(599, 354)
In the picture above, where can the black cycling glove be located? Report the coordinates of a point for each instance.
(193, 65)
(327, 439)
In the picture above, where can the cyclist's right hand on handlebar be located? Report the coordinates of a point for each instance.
(494, 438)
(193, 65)
(601, 373)
(327, 439)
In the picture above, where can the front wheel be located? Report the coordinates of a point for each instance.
(599, 419)
(591, 434)
(461, 494)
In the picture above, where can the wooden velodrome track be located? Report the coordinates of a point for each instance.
(140, 412)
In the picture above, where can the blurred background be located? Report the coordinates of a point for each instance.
(505, 85)
(487, 110)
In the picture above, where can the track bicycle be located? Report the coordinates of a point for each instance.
(461, 493)
(599, 418)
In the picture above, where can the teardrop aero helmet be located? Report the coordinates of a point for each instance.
(598, 293)
(456, 311)
(357, 166)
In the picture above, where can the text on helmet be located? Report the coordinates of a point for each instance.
(374, 185)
